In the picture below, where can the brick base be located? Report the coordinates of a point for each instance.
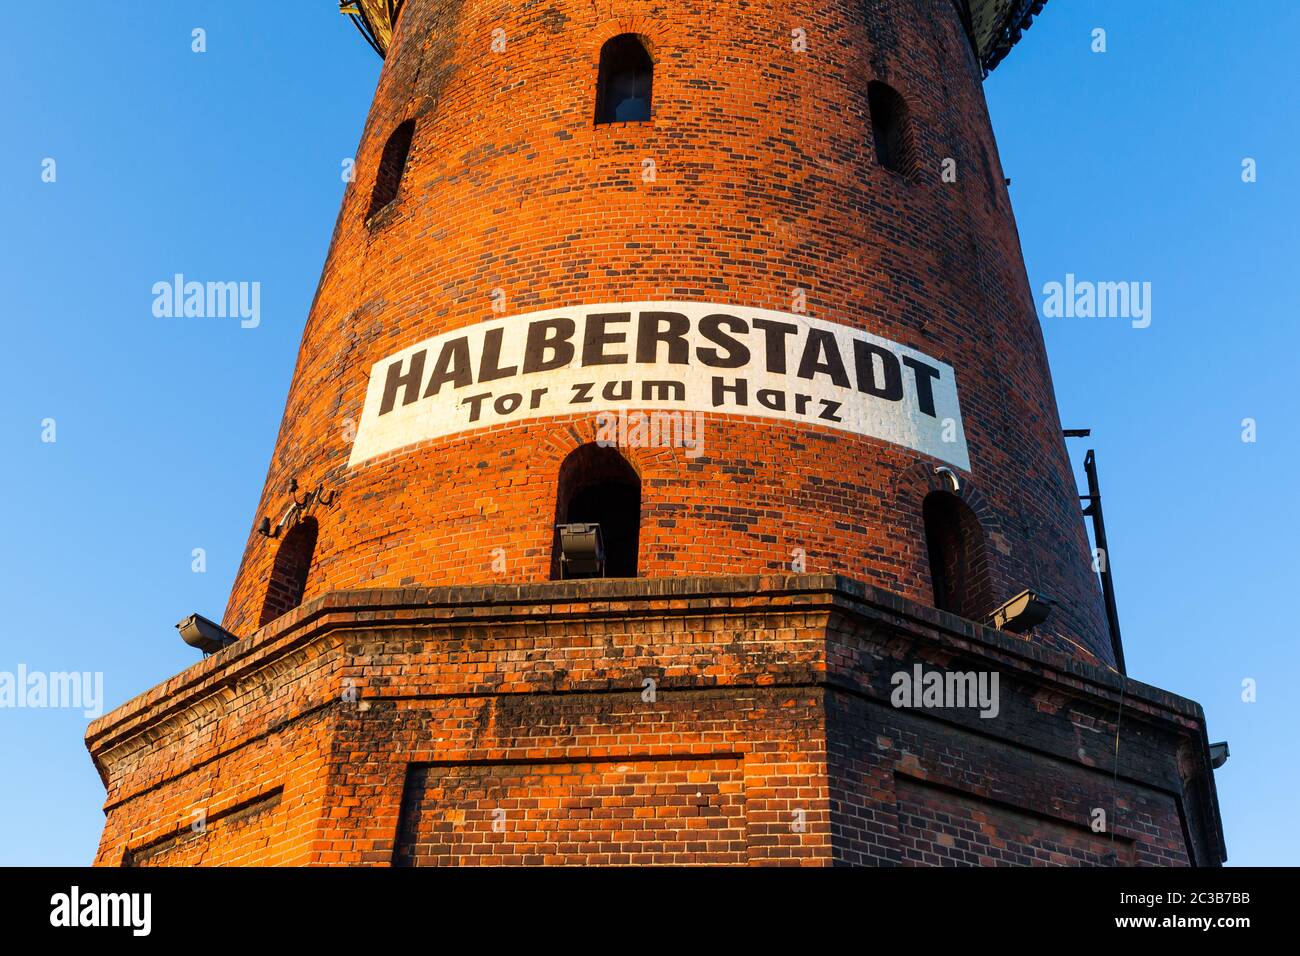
(738, 720)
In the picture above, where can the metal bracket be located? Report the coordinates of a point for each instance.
(298, 509)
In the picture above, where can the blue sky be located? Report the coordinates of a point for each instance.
(1124, 165)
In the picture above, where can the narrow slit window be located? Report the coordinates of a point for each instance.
(289, 572)
(959, 570)
(891, 129)
(626, 81)
(392, 165)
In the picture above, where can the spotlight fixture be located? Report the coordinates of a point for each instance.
(582, 551)
(1022, 612)
(207, 636)
(1219, 754)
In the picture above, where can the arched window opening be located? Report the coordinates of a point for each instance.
(891, 128)
(626, 78)
(392, 164)
(959, 567)
(599, 486)
(289, 572)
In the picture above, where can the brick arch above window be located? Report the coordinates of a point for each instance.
(391, 169)
(927, 476)
(290, 571)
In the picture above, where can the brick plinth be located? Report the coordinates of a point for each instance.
(736, 720)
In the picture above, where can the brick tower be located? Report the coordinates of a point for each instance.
(739, 284)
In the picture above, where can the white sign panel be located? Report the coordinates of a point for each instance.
(670, 356)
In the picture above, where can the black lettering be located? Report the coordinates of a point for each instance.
(774, 334)
(596, 336)
(865, 366)
(655, 391)
(623, 393)
(507, 403)
(821, 342)
(737, 353)
(771, 398)
(720, 389)
(581, 392)
(829, 409)
(923, 374)
(453, 366)
(489, 366)
(649, 334)
(408, 380)
(475, 403)
(553, 335)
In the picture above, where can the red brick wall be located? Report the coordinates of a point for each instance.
(907, 789)
(515, 725)
(246, 754)
(615, 812)
(940, 828)
(766, 182)
(244, 801)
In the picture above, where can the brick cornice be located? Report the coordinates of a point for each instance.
(416, 639)
(595, 599)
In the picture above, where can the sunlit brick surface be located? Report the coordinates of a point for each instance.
(513, 725)
(636, 812)
(766, 182)
(436, 700)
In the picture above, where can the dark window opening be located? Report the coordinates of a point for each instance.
(891, 128)
(959, 567)
(392, 164)
(626, 77)
(598, 485)
(289, 572)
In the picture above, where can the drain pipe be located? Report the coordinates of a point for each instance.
(1093, 511)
